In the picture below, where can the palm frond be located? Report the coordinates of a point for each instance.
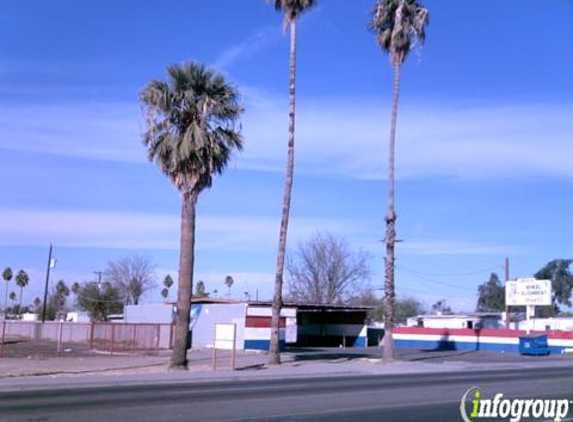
(293, 9)
(191, 124)
(399, 26)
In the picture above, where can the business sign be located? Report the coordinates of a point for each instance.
(528, 292)
(291, 330)
(225, 336)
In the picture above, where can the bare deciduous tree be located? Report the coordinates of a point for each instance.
(326, 270)
(133, 276)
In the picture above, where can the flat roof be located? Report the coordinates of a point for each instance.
(297, 305)
(468, 315)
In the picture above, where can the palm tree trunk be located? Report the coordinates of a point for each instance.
(389, 291)
(186, 262)
(274, 355)
(20, 304)
(6, 299)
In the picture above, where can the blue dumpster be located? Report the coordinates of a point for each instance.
(534, 345)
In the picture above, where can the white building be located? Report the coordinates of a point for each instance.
(300, 325)
(476, 320)
(547, 324)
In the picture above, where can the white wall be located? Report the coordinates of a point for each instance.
(155, 313)
(456, 322)
(207, 315)
(542, 324)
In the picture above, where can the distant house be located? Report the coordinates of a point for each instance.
(548, 324)
(78, 316)
(478, 320)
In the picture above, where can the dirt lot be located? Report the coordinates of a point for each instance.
(37, 349)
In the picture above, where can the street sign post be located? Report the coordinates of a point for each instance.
(225, 339)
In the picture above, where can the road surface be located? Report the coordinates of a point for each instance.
(407, 397)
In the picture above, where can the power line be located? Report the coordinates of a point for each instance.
(434, 281)
(400, 287)
(91, 299)
(484, 270)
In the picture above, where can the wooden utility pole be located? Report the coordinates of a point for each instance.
(47, 283)
(507, 308)
(99, 274)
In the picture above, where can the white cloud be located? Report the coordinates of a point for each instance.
(452, 247)
(105, 229)
(87, 130)
(344, 137)
(259, 40)
(348, 137)
(88, 229)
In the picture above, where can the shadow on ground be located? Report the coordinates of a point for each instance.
(310, 354)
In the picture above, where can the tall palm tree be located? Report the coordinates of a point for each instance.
(75, 290)
(399, 25)
(37, 303)
(62, 293)
(7, 276)
(229, 283)
(22, 281)
(13, 299)
(164, 293)
(191, 134)
(167, 283)
(292, 9)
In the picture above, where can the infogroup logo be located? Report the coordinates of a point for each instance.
(473, 407)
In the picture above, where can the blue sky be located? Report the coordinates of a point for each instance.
(484, 139)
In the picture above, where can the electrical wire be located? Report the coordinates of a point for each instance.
(485, 270)
(91, 299)
(401, 269)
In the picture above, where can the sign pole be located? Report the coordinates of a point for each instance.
(234, 346)
(530, 314)
(507, 307)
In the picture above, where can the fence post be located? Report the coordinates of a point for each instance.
(92, 329)
(158, 338)
(112, 336)
(171, 335)
(61, 329)
(3, 337)
(134, 337)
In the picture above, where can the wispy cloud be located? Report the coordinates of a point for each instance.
(105, 229)
(455, 247)
(259, 40)
(101, 131)
(348, 137)
(343, 137)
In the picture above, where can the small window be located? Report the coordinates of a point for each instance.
(470, 325)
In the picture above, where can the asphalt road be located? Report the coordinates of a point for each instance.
(407, 397)
(421, 355)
